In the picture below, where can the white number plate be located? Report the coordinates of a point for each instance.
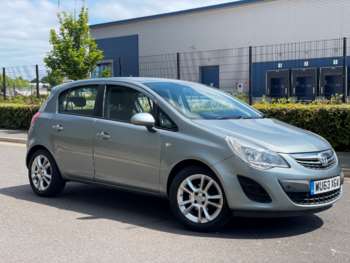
(324, 186)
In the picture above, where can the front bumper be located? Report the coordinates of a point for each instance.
(280, 185)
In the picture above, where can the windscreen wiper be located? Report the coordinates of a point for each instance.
(229, 118)
(254, 118)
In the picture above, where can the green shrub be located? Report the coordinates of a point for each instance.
(16, 116)
(241, 96)
(331, 121)
(26, 100)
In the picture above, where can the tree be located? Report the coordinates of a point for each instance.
(74, 53)
(106, 73)
(54, 78)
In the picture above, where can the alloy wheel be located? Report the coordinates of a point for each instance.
(200, 198)
(41, 172)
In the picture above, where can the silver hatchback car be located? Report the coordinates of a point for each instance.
(208, 153)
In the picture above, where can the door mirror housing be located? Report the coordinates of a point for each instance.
(144, 119)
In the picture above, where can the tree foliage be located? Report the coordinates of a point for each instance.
(106, 73)
(74, 53)
(54, 78)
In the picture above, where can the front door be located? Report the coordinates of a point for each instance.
(210, 76)
(126, 154)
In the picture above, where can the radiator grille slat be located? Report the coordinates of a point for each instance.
(318, 161)
(308, 199)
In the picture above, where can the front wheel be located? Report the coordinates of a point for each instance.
(198, 200)
(44, 176)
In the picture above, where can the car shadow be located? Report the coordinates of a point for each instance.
(137, 210)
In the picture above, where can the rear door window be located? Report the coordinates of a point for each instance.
(79, 101)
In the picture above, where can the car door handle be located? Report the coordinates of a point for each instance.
(104, 135)
(57, 127)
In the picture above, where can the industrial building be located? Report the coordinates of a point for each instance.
(278, 48)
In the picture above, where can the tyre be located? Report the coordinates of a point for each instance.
(197, 199)
(44, 176)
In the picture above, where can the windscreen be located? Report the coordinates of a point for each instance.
(197, 101)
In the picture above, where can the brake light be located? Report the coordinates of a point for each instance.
(34, 118)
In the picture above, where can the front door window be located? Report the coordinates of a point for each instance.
(122, 103)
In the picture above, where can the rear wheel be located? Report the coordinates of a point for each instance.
(198, 200)
(44, 176)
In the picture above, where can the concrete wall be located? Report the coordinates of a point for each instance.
(267, 22)
(232, 29)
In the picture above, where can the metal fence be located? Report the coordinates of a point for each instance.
(255, 70)
(298, 50)
(304, 70)
(233, 64)
(28, 80)
(160, 66)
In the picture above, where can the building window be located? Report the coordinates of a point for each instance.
(104, 69)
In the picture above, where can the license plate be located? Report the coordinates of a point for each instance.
(324, 186)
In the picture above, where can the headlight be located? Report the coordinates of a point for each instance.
(256, 156)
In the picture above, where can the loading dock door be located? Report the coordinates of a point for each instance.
(210, 75)
(331, 80)
(304, 83)
(278, 83)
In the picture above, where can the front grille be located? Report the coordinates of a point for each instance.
(253, 190)
(308, 199)
(317, 161)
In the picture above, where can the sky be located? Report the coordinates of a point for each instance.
(25, 24)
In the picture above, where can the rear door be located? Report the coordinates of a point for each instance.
(73, 130)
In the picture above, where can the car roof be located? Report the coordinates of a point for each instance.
(142, 79)
(130, 80)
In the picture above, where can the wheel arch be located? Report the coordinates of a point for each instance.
(187, 163)
(33, 150)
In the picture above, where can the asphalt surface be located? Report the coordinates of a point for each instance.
(93, 224)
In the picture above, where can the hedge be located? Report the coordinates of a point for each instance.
(330, 121)
(16, 116)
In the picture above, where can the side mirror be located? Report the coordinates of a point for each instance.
(144, 119)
